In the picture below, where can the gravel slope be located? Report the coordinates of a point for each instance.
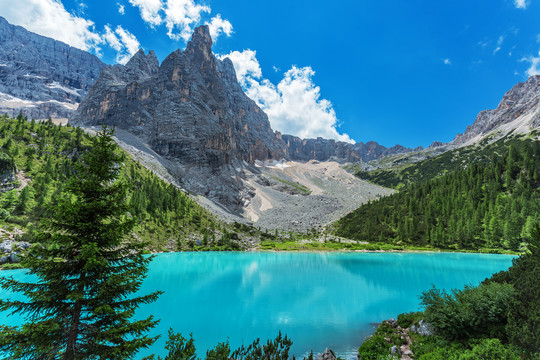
(327, 191)
(334, 193)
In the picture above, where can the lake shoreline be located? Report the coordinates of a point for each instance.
(13, 266)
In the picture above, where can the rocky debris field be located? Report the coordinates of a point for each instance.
(294, 196)
(333, 192)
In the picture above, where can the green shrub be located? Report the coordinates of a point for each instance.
(470, 313)
(374, 348)
(406, 320)
(490, 349)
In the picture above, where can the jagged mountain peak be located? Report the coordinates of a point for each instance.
(200, 39)
(147, 64)
(519, 111)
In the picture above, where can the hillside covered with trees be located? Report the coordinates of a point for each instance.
(37, 158)
(489, 205)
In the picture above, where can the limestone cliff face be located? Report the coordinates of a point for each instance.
(41, 76)
(190, 108)
(519, 110)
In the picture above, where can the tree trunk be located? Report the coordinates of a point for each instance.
(73, 332)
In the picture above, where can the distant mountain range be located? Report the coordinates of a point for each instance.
(40, 76)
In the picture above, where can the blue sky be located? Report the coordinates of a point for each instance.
(396, 72)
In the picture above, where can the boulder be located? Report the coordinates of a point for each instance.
(328, 354)
(395, 351)
(423, 328)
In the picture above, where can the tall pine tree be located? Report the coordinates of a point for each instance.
(86, 270)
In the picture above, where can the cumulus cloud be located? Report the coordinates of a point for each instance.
(121, 40)
(50, 18)
(294, 106)
(149, 10)
(121, 9)
(245, 64)
(219, 26)
(447, 61)
(130, 45)
(521, 4)
(180, 17)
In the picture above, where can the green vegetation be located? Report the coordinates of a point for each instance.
(402, 173)
(294, 187)
(499, 319)
(88, 266)
(475, 311)
(180, 348)
(44, 155)
(484, 206)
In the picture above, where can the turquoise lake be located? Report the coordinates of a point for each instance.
(318, 299)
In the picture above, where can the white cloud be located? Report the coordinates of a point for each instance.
(294, 106)
(111, 38)
(50, 18)
(521, 4)
(500, 40)
(218, 26)
(130, 45)
(121, 9)
(149, 10)
(534, 69)
(180, 17)
(245, 64)
(447, 61)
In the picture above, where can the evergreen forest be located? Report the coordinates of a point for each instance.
(36, 159)
(485, 205)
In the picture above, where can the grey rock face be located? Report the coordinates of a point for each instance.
(423, 328)
(328, 354)
(41, 76)
(190, 109)
(522, 99)
(324, 150)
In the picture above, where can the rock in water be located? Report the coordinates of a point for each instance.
(40, 76)
(327, 355)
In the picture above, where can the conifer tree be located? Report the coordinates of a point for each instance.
(85, 272)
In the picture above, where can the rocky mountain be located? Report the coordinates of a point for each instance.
(518, 112)
(41, 76)
(191, 110)
(330, 150)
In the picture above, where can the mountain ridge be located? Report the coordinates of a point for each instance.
(40, 76)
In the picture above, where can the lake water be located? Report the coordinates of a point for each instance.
(318, 299)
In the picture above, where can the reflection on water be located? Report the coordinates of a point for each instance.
(318, 299)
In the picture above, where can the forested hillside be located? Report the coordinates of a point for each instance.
(483, 205)
(401, 172)
(37, 158)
